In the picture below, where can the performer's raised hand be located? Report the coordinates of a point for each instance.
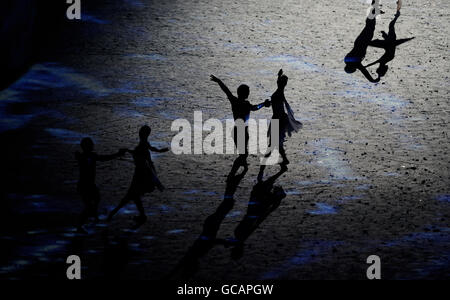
(280, 72)
(214, 78)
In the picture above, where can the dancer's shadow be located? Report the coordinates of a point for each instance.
(264, 199)
(207, 239)
(353, 60)
(389, 44)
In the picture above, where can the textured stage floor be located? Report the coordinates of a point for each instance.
(369, 171)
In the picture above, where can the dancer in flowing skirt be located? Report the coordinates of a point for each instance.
(287, 124)
(145, 179)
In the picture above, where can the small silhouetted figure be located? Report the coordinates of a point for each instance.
(87, 161)
(287, 124)
(389, 44)
(241, 112)
(145, 179)
(264, 199)
(353, 60)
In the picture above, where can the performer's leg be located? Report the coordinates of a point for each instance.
(245, 155)
(142, 217)
(96, 202)
(242, 158)
(267, 155)
(283, 155)
(392, 23)
(84, 215)
(122, 203)
(238, 162)
(261, 172)
(158, 184)
(140, 207)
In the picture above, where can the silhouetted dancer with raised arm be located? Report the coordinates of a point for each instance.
(353, 60)
(389, 44)
(264, 199)
(287, 124)
(86, 187)
(145, 179)
(241, 113)
(208, 238)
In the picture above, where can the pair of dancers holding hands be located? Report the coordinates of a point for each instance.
(282, 112)
(145, 179)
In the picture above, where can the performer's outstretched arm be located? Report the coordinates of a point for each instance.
(378, 44)
(158, 150)
(103, 158)
(224, 88)
(261, 105)
(392, 23)
(401, 41)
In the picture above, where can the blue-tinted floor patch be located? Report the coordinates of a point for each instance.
(65, 135)
(312, 252)
(323, 209)
(444, 198)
